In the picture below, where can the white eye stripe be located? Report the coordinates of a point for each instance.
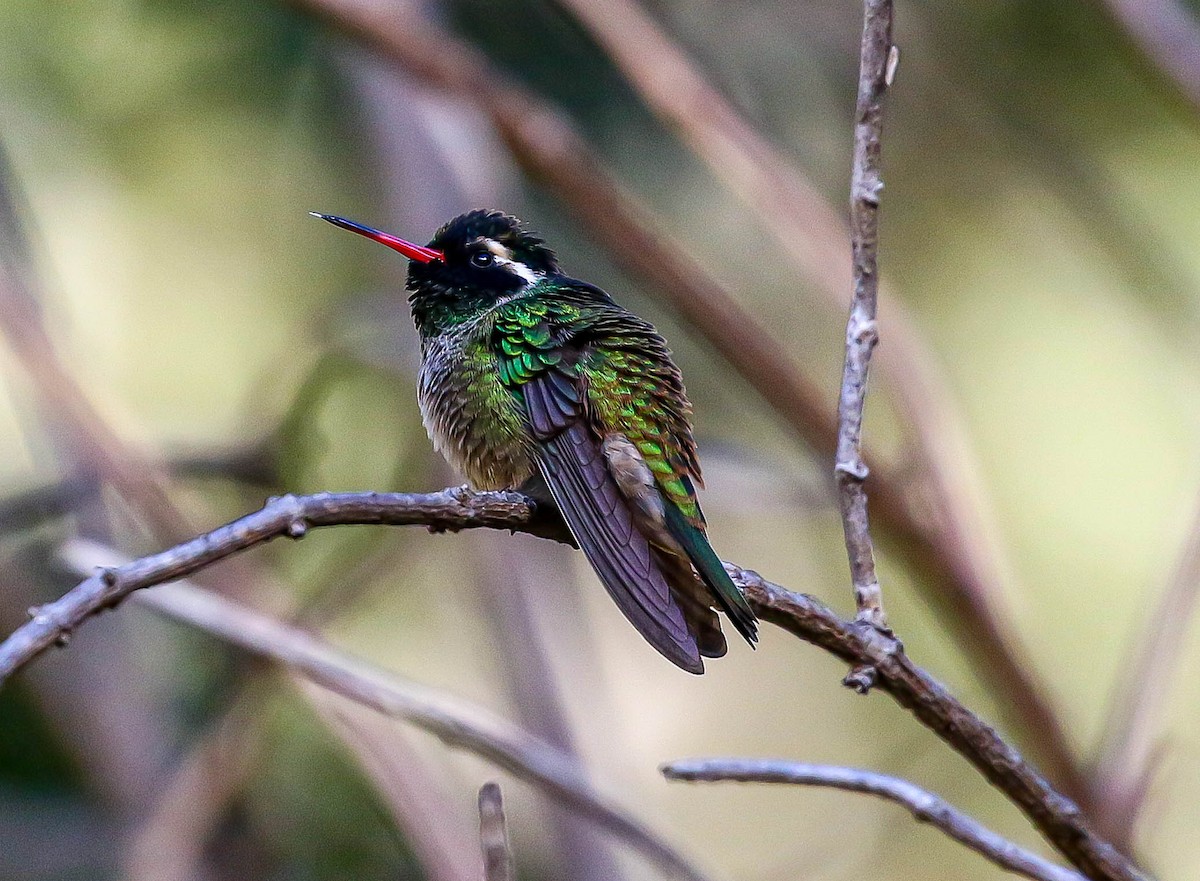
(504, 257)
(521, 270)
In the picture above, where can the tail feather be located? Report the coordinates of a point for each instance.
(712, 572)
(695, 599)
(598, 516)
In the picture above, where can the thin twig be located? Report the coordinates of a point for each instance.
(454, 722)
(552, 152)
(861, 331)
(493, 835)
(1168, 35)
(859, 645)
(922, 804)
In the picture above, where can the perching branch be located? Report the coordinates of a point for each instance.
(859, 645)
(861, 332)
(551, 151)
(493, 835)
(922, 804)
(292, 516)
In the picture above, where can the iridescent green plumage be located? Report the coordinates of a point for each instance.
(632, 386)
(535, 380)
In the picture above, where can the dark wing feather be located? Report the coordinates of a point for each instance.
(571, 461)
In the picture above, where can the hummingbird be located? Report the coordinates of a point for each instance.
(536, 381)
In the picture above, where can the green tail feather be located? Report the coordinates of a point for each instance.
(712, 573)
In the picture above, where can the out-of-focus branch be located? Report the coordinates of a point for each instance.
(922, 804)
(168, 843)
(548, 149)
(493, 835)
(28, 507)
(866, 185)
(441, 839)
(1168, 34)
(857, 643)
(1134, 719)
(134, 476)
(454, 722)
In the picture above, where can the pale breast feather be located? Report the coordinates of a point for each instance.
(470, 417)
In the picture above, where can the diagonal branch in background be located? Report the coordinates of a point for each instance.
(1135, 716)
(856, 643)
(552, 152)
(922, 804)
(1167, 33)
(866, 185)
(456, 723)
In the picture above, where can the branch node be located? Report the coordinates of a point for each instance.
(108, 575)
(33, 612)
(865, 331)
(63, 638)
(853, 468)
(861, 678)
(893, 62)
(297, 529)
(868, 193)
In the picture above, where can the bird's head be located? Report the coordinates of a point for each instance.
(472, 262)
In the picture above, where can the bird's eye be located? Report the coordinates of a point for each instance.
(483, 259)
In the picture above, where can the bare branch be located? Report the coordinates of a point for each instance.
(552, 152)
(859, 645)
(861, 331)
(1168, 35)
(922, 804)
(493, 835)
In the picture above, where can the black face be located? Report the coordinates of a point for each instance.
(487, 256)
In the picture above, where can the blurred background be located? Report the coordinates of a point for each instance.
(184, 341)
